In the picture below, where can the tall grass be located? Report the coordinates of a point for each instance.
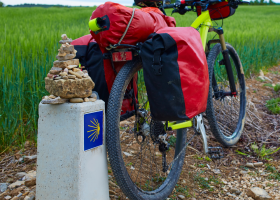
(29, 42)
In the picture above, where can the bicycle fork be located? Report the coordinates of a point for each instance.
(226, 62)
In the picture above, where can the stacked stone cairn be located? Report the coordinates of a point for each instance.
(66, 81)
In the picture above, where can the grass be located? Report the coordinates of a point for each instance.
(29, 42)
(273, 105)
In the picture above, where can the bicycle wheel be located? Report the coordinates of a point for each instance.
(137, 153)
(225, 114)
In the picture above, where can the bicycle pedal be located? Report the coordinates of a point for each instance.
(216, 152)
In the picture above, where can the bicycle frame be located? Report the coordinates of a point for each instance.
(204, 22)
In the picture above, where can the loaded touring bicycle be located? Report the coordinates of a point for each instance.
(169, 90)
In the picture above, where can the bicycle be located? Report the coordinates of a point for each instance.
(162, 170)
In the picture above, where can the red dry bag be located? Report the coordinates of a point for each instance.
(116, 19)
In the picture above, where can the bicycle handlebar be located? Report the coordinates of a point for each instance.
(182, 4)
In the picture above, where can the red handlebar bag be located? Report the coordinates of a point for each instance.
(145, 21)
(175, 74)
(218, 11)
(90, 55)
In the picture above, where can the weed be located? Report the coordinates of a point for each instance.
(268, 85)
(259, 79)
(273, 105)
(263, 152)
(204, 182)
(277, 88)
(274, 173)
(172, 141)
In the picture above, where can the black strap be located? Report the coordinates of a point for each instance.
(161, 43)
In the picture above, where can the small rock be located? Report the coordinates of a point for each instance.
(251, 165)
(3, 187)
(65, 41)
(31, 157)
(216, 171)
(85, 71)
(71, 76)
(76, 69)
(55, 72)
(57, 78)
(85, 75)
(93, 95)
(192, 166)
(86, 100)
(15, 198)
(111, 192)
(258, 164)
(261, 73)
(52, 96)
(181, 196)
(258, 194)
(7, 197)
(243, 172)
(30, 183)
(66, 70)
(20, 174)
(92, 99)
(62, 53)
(235, 191)
(76, 100)
(75, 73)
(50, 75)
(64, 37)
(65, 77)
(31, 196)
(16, 184)
(29, 176)
(127, 154)
(63, 74)
(67, 57)
(71, 66)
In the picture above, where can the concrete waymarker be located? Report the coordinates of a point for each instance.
(71, 159)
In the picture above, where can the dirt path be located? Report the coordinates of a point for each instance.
(202, 178)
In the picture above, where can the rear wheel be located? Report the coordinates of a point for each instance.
(225, 113)
(140, 151)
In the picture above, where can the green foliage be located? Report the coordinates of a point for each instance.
(274, 174)
(204, 183)
(277, 88)
(263, 152)
(268, 85)
(273, 105)
(1, 4)
(172, 141)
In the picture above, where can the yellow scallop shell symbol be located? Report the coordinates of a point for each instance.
(95, 130)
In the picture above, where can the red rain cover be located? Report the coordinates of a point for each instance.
(145, 22)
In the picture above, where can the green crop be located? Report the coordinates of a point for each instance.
(29, 42)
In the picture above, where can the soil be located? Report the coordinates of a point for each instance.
(201, 177)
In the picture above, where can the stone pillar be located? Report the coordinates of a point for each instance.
(71, 158)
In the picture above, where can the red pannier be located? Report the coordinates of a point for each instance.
(145, 21)
(175, 74)
(218, 11)
(100, 70)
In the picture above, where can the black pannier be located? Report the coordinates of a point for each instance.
(175, 74)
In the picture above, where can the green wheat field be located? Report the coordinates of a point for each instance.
(29, 42)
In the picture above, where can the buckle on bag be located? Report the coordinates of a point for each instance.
(157, 69)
